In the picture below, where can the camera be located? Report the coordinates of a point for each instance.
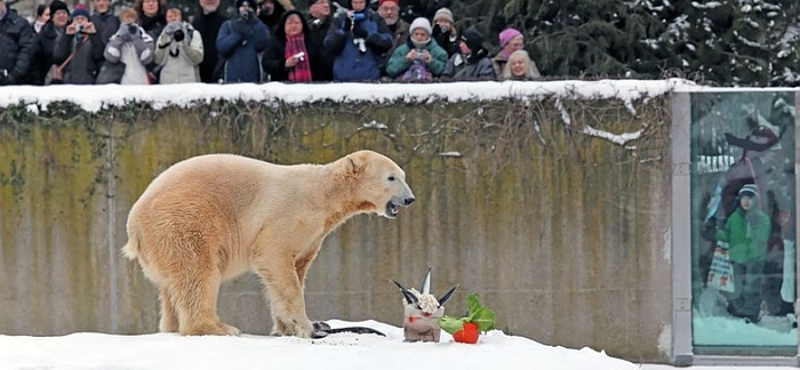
(132, 29)
(244, 14)
(178, 35)
(301, 56)
(79, 28)
(358, 16)
(420, 54)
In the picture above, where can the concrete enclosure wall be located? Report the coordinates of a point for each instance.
(561, 230)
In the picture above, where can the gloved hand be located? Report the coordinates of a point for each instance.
(360, 31)
(438, 30)
(253, 18)
(172, 27)
(347, 24)
(123, 29)
(240, 24)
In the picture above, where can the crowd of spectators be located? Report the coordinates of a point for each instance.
(266, 40)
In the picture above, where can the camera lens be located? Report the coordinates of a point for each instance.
(132, 29)
(178, 35)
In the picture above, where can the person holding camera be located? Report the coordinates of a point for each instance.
(179, 51)
(419, 59)
(78, 51)
(358, 38)
(444, 31)
(133, 47)
(292, 55)
(240, 42)
(42, 61)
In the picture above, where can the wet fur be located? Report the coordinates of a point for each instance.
(212, 218)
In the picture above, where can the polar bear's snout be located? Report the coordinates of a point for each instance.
(402, 200)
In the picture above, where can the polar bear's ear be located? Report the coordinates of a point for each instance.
(357, 163)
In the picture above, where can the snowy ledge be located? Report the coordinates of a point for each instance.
(94, 98)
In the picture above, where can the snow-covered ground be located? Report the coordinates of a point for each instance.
(494, 350)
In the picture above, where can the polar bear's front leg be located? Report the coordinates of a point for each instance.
(285, 294)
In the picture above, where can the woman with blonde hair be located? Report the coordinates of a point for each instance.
(520, 67)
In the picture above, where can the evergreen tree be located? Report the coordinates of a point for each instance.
(725, 42)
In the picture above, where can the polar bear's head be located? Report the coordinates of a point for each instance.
(381, 183)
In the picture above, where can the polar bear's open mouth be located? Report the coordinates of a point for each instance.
(392, 209)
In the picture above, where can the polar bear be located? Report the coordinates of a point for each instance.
(213, 217)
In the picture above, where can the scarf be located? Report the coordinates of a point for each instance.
(420, 45)
(301, 72)
(149, 22)
(38, 26)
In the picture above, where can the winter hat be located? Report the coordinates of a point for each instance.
(57, 5)
(445, 14)
(507, 35)
(386, 1)
(473, 39)
(253, 3)
(749, 190)
(80, 10)
(758, 141)
(173, 6)
(421, 22)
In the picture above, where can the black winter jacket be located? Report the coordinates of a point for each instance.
(208, 25)
(17, 45)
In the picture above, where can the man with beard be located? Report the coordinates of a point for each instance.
(389, 10)
(208, 23)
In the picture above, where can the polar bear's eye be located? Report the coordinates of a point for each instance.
(391, 178)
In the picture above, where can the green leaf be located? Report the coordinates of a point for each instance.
(451, 324)
(484, 317)
(478, 314)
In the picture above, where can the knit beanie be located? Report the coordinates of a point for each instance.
(507, 35)
(79, 10)
(386, 1)
(473, 39)
(445, 14)
(253, 3)
(749, 190)
(421, 22)
(57, 5)
(173, 6)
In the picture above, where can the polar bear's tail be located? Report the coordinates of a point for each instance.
(131, 249)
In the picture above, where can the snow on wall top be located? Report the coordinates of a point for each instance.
(94, 98)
